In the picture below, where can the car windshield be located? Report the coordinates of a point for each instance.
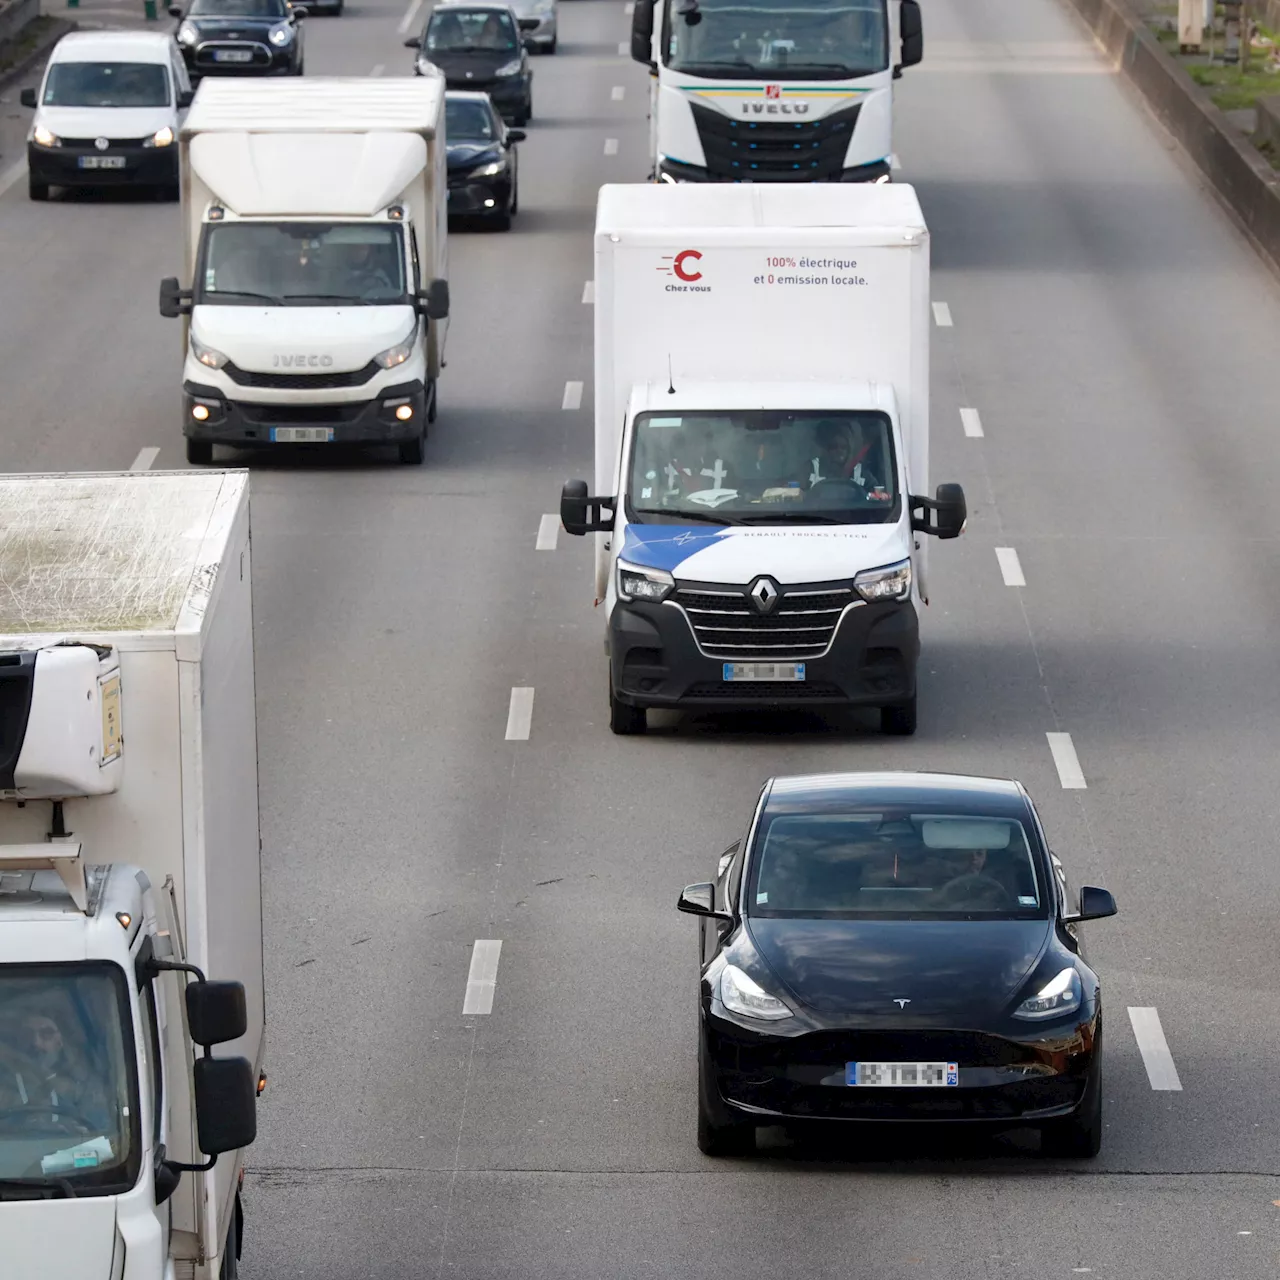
(237, 9)
(893, 864)
(302, 263)
(763, 466)
(456, 30)
(68, 1114)
(106, 84)
(467, 121)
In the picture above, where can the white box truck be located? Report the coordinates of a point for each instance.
(314, 291)
(130, 886)
(762, 447)
(771, 90)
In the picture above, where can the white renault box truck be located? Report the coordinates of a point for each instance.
(314, 290)
(130, 888)
(762, 447)
(771, 90)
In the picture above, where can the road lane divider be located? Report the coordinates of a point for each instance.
(1067, 762)
(1155, 1050)
(942, 315)
(145, 459)
(520, 714)
(589, 293)
(1010, 567)
(572, 396)
(410, 17)
(548, 532)
(482, 977)
(611, 146)
(971, 421)
(618, 92)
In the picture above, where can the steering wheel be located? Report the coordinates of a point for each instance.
(845, 482)
(60, 1114)
(976, 891)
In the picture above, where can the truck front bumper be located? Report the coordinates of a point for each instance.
(678, 171)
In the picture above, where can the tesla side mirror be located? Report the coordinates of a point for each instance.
(216, 1012)
(413, 42)
(642, 34)
(949, 512)
(185, 98)
(700, 900)
(226, 1104)
(433, 302)
(516, 135)
(1095, 904)
(27, 97)
(912, 28)
(174, 301)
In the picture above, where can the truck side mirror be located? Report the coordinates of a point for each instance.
(581, 514)
(216, 1012)
(434, 301)
(174, 301)
(950, 512)
(27, 97)
(226, 1104)
(642, 34)
(912, 30)
(185, 98)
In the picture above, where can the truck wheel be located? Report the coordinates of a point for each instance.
(624, 719)
(900, 721)
(199, 453)
(37, 190)
(413, 451)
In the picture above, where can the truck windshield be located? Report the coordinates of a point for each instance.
(302, 264)
(68, 1088)
(777, 39)
(823, 466)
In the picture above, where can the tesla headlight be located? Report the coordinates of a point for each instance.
(161, 138)
(280, 34)
(398, 354)
(511, 68)
(187, 33)
(635, 583)
(206, 355)
(892, 582)
(490, 170)
(1054, 999)
(743, 995)
(45, 138)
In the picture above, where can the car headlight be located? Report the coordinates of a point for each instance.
(892, 582)
(398, 354)
(161, 138)
(490, 170)
(635, 583)
(44, 138)
(206, 355)
(281, 34)
(187, 34)
(1059, 997)
(743, 995)
(511, 68)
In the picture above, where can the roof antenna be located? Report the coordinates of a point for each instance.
(671, 382)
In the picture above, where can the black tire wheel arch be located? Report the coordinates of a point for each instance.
(199, 452)
(899, 720)
(625, 719)
(715, 1137)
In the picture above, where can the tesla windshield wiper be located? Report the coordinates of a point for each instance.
(36, 1184)
(703, 517)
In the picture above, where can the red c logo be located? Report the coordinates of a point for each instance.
(678, 265)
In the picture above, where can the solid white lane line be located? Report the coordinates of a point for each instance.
(144, 459)
(618, 92)
(409, 18)
(548, 532)
(971, 423)
(378, 69)
(1064, 756)
(1010, 567)
(589, 293)
(520, 714)
(572, 396)
(1155, 1050)
(894, 162)
(942, 315)
(624, 48)
(611, 146)
(11, 175)
(482, 977)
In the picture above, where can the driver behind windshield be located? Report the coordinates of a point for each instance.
(41, 1074)
(843, 453)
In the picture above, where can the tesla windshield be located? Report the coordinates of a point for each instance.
(106, 84)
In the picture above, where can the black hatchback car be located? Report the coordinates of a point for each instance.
(240, 37)
(484, 172)
(479, 47)
(897, 947)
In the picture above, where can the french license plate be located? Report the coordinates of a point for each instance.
(902, 1075)
(764, 670)
(101, 162)
(302, 435)
(233, 55)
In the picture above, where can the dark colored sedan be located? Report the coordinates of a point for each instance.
(240, 37)
(897, 947)
(484, 176)
(479, 47)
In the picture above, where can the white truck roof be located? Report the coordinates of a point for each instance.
(123, 46)
(89, 555)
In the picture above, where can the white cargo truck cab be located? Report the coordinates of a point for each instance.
(130, 899)
(314, 291)
(762, 447)
(773, 91)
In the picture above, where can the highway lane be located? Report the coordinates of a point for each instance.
(1110, 327)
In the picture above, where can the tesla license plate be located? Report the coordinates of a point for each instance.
(902, 1075)
(764, 670)
(233, 55)
(302, 435)
(101, 162)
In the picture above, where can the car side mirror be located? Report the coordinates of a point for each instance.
(27, 97)
(911, 27)
(216, 1012)
(226, 1104)
(433, 302)
(527, 24)
(950, 513)
(700, 900)
(185, 98)
(174, 301)
(527, 44)
(299, 11)
(642, 34)
(413, 42)
(1095, 904)
(175, 11)
(582, 514)
(516, 135)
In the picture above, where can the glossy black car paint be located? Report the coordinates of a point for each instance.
(843, 978)
(241, 32)
(468, 190)
(475, 69)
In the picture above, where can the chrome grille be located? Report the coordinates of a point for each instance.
(802, 623)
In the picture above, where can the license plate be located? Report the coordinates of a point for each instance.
(902, 1075)
(764, 670)
(302, 435)
(101, 162)
(233, 55)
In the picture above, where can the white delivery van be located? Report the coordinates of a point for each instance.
(130, 884)
(772, 91)
(315, 261)
(762, 447)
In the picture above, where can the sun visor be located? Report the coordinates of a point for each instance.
(303, 174)
(964, 834)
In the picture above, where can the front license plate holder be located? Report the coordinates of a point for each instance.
(233, 55)
(302, 435)
(789, 672)
(902, 1075)
(101, 162)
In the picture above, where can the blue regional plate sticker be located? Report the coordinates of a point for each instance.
(953, 1073)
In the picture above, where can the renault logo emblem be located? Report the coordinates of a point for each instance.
(101, 143)
(764, 591)
(902, 1004)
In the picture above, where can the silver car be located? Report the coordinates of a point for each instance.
(538, 23)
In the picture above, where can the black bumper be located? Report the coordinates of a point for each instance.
(656, 662)
(467, 198)
(677, 171)
(143, 166)
(245, 424)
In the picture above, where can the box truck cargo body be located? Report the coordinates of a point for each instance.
(129, 856)
(762, 447)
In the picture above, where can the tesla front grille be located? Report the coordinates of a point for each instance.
(798, 624)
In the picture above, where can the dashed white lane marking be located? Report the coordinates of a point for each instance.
(1064, 756)
(482, 977)
(144, 459)
(589, 293)
(894, 162)
(572, 396)
(548, 532)
(618, 92)
(1155, 1050)
(971, 422)
(11, 175)
(1010, 567)
(378, 69)
(629, 8)
(410, 15)
(611, 146)
(624, 48)
(520, 714)
(942, 315)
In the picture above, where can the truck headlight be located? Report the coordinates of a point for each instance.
(280, 35)
(206, 355)
(636, 583)
(892, 582)
(1054, 999)
(511, 68)
(187, 34)
(398, 354)
(161, 138)
(43, 137)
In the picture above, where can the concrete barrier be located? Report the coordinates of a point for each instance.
(1233, 165)
(14, 17)
(1268, 132)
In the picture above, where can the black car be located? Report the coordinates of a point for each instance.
(897, 947)
(479, 47)
(240, 37)
(484, 177)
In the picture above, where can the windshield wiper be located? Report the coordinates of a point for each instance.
(37, 1184)
(241, 293)
(339, 297)
(741, 64)
(705, 517)
(792, 517)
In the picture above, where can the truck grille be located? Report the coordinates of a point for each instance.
(774, 149)
(299, 381)
(727, 624)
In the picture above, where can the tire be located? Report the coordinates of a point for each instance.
(715, 1138)
(625, 720)
(37, 190)
(412, 452)
(432, 402)
(515, 195)
(899, 721)
(199, 453)
(230, 1269)
(551, 48)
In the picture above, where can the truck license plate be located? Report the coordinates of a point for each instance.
(764, 670)
(233, 55)
(302, 435)
(101, 162)
(902, 1075)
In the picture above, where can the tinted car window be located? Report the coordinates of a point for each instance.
(458, 29)
(106, 84)
(471, 121)
(237, 9)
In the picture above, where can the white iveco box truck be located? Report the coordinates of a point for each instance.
(130, 898)
(762, 447)
(315, 263)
